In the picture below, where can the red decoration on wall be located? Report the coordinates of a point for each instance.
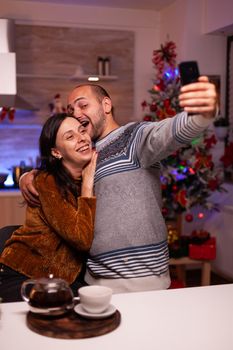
(7, 111)
(166, 54)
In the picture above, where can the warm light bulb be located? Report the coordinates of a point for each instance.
(93, 78)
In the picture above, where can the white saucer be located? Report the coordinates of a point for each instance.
(110, 311)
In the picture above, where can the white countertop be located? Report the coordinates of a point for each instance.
(198, 318)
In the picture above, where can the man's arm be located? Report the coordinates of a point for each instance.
(28, 189)
(161, 139)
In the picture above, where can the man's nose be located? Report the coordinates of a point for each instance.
(78, 113)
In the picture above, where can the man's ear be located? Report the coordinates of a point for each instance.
(56, 153)
(107, 105)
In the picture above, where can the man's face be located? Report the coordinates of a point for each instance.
(88, 110)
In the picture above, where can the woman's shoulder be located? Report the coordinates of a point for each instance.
(43, 178)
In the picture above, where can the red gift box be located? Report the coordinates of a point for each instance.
(204, 251)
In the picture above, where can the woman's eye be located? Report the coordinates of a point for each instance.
(83, 106)
(82, 130)
(69, 137)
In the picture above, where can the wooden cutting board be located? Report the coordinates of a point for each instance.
(71, 325)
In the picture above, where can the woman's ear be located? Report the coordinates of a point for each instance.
(56, 153)
(107, 105)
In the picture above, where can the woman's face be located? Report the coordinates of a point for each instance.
(73, 144)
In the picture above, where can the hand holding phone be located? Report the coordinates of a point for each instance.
(189, 72)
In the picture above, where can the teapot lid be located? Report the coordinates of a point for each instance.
(50, 282)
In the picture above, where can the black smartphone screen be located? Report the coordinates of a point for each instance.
(189, 72)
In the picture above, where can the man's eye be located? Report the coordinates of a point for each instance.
(69, 137)
(70, 110)
(85, 123)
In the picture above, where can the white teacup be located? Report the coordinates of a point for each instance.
(95, 299)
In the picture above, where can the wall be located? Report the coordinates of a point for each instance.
(218, 16)
(52, 55)
(184, 22)
(143, 25)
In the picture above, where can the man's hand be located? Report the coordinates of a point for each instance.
(28, 190)
(199, 98)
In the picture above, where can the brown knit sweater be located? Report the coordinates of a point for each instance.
(54, 237)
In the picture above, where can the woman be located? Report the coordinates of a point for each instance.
(57, 235)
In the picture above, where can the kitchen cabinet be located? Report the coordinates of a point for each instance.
(12, 209)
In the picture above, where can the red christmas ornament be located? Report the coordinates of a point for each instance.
(153, 107)
(183, 162)
(166, 103)
(189, 217)
(144, 104)
(164, 211)
(160, 85)
(203, 161)
(170, 112)
(213, 184)
(148, 118)
(181, 198)
(209, 142)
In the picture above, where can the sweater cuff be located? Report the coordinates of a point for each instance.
(202, 121)
(90, 201)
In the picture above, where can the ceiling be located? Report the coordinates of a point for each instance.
(155, 5)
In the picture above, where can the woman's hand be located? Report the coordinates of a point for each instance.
(28, 189)
(199, 98)
(88, 174)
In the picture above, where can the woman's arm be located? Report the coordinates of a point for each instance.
(73, 221)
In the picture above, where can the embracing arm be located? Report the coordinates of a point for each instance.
(28, 189)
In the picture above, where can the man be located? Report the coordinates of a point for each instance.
(129, 251)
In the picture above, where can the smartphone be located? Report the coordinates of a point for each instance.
(189, 72)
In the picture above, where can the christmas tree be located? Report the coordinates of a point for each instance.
(188, 176)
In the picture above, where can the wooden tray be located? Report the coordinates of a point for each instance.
(71, 325)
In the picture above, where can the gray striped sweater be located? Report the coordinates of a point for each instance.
(129, 251)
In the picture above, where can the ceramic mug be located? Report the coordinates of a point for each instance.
(95, 299)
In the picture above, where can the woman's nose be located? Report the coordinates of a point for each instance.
(81, 137)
